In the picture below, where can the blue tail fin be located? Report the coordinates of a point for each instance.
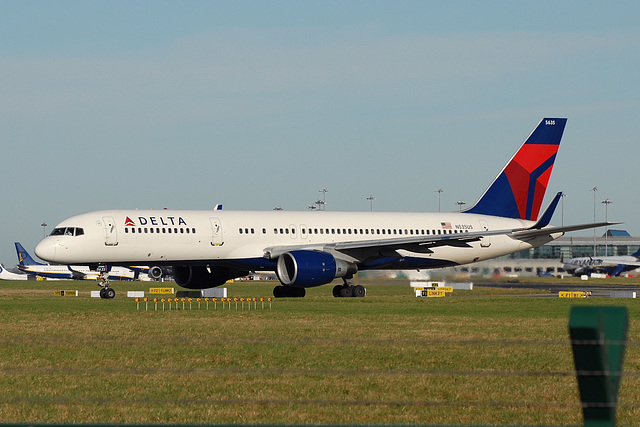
(23, 256)
(518, 191)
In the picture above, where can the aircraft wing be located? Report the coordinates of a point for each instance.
(412, 243)
(76, 275)
(424, 243)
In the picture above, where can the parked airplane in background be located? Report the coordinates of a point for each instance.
(75, 272)
(8, 275)
(307, 249)
(610, 265)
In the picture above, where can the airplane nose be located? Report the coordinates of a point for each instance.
(46, 249)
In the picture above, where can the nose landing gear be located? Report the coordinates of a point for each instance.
(107, 292)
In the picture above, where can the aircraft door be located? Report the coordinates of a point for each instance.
(216, 232)
(485, 241)
(110, 231)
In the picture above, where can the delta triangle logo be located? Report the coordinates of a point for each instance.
(129, 222)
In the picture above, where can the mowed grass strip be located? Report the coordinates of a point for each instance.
(389, 358)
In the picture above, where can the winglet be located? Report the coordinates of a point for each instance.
(548, 213)
(518, 191)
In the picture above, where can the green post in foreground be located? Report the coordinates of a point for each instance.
(598, 337)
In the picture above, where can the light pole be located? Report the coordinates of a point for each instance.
(460, 203)
(44, 225)
(594, 189)
(606, 202)
(439, 191)
(371, 199)
(562, 217)
(324, 198)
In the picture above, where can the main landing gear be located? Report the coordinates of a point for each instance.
(343, 291)
(339, 291)
(348, 290)
(107, 292)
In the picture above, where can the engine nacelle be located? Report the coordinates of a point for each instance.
(156, 272)
(201, 277)
(305, 269)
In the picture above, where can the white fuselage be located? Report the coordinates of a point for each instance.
(126, 237)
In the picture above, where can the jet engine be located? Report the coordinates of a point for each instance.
(201, 277)
(156, 272)
(305, 269)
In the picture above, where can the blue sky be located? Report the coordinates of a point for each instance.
(256, 104)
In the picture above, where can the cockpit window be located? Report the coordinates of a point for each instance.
(67, 231)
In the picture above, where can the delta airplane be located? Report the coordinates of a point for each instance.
(70, 272)
(308, 249)
(611, 265)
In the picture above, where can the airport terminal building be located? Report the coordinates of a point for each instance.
(548, 258)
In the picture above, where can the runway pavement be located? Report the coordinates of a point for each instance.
(596, 290)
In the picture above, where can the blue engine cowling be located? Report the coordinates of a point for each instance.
(305, 269)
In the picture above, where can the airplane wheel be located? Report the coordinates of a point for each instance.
(109, 293)
(102, 293)
(336, 291)
(346, 291)
(359, 291)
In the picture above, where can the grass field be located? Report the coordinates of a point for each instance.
(390, 358)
